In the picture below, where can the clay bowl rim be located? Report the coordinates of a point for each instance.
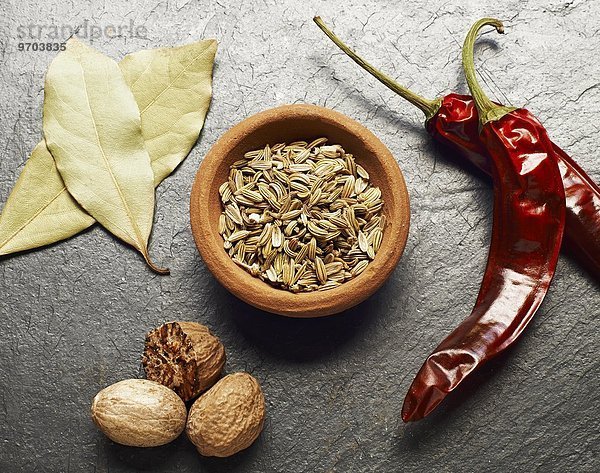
(252, 290)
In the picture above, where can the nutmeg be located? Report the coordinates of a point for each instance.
(228, 418)
(139, 413)
(183, 356)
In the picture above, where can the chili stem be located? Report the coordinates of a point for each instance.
(427, 106)
(488, 110)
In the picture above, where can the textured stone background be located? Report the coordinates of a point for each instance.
(74, 315)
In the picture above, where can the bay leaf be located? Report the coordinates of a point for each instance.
(39, 210)
(172, 87)
(184, 75)
(92, 128)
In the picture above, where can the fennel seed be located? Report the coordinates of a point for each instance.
(301, 216)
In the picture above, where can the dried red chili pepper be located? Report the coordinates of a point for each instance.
(453, 121)
(529, 219)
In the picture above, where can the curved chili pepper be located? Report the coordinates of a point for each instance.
(453, 121)
(529, 219)
(456, 125)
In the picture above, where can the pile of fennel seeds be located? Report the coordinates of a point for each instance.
(301, 216)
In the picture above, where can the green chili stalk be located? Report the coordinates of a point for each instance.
(427, 106)
(488, 110)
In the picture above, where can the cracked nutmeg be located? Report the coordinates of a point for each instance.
(183, 356)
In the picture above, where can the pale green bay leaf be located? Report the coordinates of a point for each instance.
(39, 210)
(38, 214)
(92, 128)
(172, 87)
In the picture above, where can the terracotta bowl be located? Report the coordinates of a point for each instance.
(286, 124)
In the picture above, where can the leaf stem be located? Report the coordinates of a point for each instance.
(488, 110)
(153, 267)
(427, 106)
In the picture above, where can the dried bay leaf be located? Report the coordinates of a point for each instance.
(31, 218)
(92, 128)
(39, 210)
(172, 87)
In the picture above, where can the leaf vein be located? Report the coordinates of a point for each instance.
(171, 83)
(138, 235)
(30, 219)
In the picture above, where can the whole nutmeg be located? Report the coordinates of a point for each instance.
(183, 356)
(228, 418)
(139, 413)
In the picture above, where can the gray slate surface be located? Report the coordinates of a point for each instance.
(74, 315)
